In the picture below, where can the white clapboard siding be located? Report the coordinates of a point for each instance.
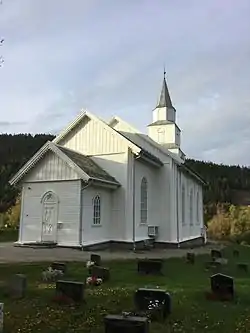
(92, 137)
(92, 234)
(51, 167)
(69, 208)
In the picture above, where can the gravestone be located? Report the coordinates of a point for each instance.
(124, 324)
(60, 266)
(212, 265)
(18, 286)
(71, 289)
(243, 267)
(96, 259)
(150, 266)
(236, 253)
(1, 316)
(222, 285)
(153, 300)
(190, 258)
(100, 272)
(216, 254)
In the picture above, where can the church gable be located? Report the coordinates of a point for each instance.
(91, 136)
(50, 168)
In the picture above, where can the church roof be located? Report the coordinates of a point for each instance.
(164, 100)
(92, 169)
(83, 165)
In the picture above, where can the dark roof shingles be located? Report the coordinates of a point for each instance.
(92, 169)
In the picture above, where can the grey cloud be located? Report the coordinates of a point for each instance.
(109, 58)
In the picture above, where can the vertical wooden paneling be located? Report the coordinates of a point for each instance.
(92, 138)
(92, 234)
(69, 209)
(51, 167)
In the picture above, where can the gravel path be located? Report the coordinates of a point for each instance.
(11, 254)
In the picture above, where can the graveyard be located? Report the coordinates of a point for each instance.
(66, 297)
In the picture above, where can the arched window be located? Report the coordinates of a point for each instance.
(183, 203)
(144, 200)
(191, 205)
(97, 210)
(198, 208)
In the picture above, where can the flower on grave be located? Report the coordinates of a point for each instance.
(89, 264)
(155, 304)
(93, 281)
(51, 274)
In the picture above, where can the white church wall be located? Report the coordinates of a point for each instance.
(68, 193)
(96, 233)
(190, 228)
(159, 201)
(51, 167)
(117, 166)
(110, 152)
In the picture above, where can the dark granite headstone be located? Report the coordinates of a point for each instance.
(243, 267)
(60, 266)
(216, 254)
(18, 286)
(96, 259)
(71, 289)
(100, 272)
(236, 253)
(150, 266)
(222, 285)
(190, 258)
(155, 300)
(122, 324)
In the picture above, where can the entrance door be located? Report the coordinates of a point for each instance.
(49, 217)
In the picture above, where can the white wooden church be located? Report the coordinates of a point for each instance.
(100, 184)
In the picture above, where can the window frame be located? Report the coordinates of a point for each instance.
(144, 201)
(198, 208)
(183, 204)
(191, 206)
(96, 218)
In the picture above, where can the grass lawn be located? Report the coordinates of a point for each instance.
(186, 283)
(8, 235)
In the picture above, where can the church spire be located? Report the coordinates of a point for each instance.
(165, 100)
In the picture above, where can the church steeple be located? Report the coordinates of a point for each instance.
(164, 129)
(164, 100)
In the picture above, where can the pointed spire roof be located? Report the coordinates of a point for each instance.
(165, 100)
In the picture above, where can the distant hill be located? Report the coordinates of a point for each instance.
(226, 184)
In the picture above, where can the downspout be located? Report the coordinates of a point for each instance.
(177, 206)
(81, 212)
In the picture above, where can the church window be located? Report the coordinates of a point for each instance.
(191, 204)
(198, 208)
(161, 135)
(97, 210)
(183, 203)
(144, 200)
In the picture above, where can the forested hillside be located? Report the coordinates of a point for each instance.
(222, 180)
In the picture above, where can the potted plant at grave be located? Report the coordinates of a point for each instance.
(51, 275)
(93, 281)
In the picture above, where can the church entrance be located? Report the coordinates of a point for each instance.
(49, 217)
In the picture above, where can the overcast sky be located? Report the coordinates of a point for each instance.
(108, 56)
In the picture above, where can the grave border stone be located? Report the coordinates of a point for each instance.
(143, 321)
